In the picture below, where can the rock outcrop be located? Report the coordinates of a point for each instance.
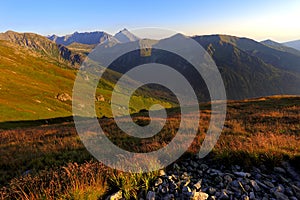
(200, 180)
(63, 97)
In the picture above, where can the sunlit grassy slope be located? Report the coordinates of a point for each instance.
(30, 81)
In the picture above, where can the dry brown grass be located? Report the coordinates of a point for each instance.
(256, 131)
(38, 148)
(263, 129)
(74, 181)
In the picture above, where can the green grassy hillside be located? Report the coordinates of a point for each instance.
(31, 80)
(44, 46)
(29, 83)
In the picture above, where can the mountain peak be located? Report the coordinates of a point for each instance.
(270, 42)
(124, 29)
(10, 32)
(124, 36)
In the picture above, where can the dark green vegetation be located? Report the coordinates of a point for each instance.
(277, 58)
(251, 69)
(50, 161)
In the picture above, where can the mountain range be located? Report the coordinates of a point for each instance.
(280, 47)
(36, 69)
(250, 68)
(93, 37)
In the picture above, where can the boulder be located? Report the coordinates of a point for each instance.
(199, 196)
(63, 97)
(100, 98)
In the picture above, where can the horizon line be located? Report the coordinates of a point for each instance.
(189, 35)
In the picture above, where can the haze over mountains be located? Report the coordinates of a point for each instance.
(280, 47)
(294, 44)
(46, 66)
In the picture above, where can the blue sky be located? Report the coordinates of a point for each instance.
(257, 19)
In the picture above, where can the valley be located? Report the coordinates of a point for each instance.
(43, 157)
(33, 67)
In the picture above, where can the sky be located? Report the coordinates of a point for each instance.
(258, 19)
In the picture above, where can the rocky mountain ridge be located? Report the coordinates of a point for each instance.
(42, 45)
(94, 38)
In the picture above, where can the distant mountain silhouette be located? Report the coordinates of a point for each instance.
(93, 38)
(280, 47)
(83, 38)
(294, 44)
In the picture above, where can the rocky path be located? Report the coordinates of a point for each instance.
(200, 180)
